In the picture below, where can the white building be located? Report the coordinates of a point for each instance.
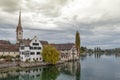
(30, 50)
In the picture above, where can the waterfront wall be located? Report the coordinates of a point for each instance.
(20, 64)
(32, 64)
(8, 65)
(24, 64)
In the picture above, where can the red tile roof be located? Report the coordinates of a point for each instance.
(65, 46)
(9, 48)
(4, 42)
(26, 42)
(44, 42)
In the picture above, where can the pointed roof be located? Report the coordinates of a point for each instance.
(26, 42)
(9, 48)
(43, 42)
(19, 27)
(4, 42)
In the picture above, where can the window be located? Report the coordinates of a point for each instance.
(40, 69)
(35, 47)
(34, 59)
(40, 58)
(38, 75)
(38, 53)
(31, 47)
(22, 47)
(39, 47)
(36, 44)
(37, 59)
(32, 53)
(21, 57)
(22, 53)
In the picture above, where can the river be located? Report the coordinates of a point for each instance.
(88, 68)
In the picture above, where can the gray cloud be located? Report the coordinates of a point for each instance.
(10, 5)
(48, 8)
(57, 21)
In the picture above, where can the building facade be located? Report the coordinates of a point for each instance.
(8, 49)
(31, 51)
(68, 51)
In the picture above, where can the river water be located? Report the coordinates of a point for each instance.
(88, 68)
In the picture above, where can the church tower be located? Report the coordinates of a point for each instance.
(19, 30)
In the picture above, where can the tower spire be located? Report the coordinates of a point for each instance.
(19, 27)
(19, 22)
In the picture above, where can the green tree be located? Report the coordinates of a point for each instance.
(50, 54)
(77, 42)
(83, 49)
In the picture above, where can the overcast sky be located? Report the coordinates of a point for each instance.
(57, 21)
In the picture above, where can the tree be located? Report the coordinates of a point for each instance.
(77, 42)
(83, 49)
(50, 54)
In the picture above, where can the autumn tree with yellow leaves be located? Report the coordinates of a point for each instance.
(50, 54)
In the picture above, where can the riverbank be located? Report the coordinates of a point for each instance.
(10, 66)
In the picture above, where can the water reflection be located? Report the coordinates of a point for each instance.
(59, 72)
(70, 71)
(78, 75)
(31, 74)
(50, 73)
(98, 55)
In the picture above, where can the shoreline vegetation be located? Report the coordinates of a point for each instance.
(11, 66)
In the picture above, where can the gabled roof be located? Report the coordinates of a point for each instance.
(3, 42)
(43, 42)
(9, 48)
(65, 46)
(26, 42)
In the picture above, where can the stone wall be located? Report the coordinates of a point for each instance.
(32, 64)
(8, 65)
